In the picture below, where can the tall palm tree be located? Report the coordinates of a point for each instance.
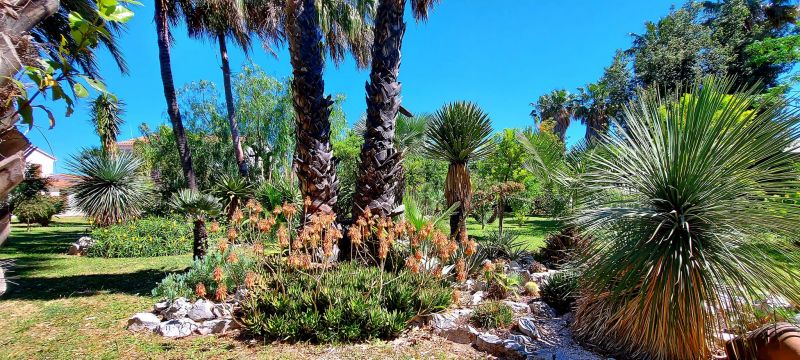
(378, 182)
(559, 106)
(198, 207)
(106, 115)
(220, 20)
(342, 23)
(458, 132)
(167, 12)
(593, 109)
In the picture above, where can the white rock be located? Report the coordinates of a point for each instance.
(201, 310)
(450, 319)
(143, 321)
(74, 249)
(159, 307)
(541, 309)
(522, 340)
(505, 349)
(541, 277)
(518, 307)
(177, 328)
(222, 310)
(528, 327)
(178, 309)
(477, 297)
(217, 326)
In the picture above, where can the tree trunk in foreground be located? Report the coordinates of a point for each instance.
(313, 159)
(226, 75)
(13, 36)
(185, 154)
(457, 188)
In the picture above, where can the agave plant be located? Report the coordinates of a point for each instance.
(110, 189)
(457, 133)
(198, 207)
(675, 205)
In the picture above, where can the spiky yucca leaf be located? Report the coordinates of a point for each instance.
(110, 189)
(458, 132)
(675, 203)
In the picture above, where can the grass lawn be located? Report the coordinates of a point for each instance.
(533, 231)
(68, 307)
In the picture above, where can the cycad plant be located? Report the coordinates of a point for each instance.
(457, 133)
(198, 207)
(675, 205)
(110, 189)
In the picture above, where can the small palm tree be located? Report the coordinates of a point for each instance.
(678, 206)
(593, 109)
(110, 189)
(198, 207)
(559, 106)
(106, 116)
(457, 133)
(233, 189)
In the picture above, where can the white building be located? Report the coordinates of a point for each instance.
(37, 156)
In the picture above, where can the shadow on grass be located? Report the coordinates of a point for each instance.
(50, 288)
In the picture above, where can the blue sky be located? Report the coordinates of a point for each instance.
(501, 57)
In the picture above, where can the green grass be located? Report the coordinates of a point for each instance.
(533, 231)
(70, 307)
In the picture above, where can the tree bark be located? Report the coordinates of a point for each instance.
(226, 75)
(313, 160)
(200, 239)
(381, 164)
(185, 154)
(457, 188)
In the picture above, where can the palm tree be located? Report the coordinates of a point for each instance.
(593, 109)
(342, 22)
(106, 115)
(678, 209)
(559, 106)
(110, 189)
(167, 12)
(458, 132)
(220, 20)
(198, 207)
(378, 181)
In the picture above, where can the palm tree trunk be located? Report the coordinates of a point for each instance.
(226, 76)
(381, 163)
(313, 160)
(200, 239)
(162, 27)
(458, 188)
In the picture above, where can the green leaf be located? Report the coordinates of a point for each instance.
(96, 84)
(80, 91)
(25, 111)
(117, 13)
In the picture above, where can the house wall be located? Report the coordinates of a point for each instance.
(46, 163)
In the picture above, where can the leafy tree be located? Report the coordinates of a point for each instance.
(558, 106)
(106, 116)
(457, 133)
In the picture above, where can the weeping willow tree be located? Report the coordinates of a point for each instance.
(677, 206)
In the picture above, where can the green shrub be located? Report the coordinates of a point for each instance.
(561, 247)
(234, 263)
(151, 236)
(492, 315)
(342, 304)
(560, 291)
(38, 209)
(505, 245)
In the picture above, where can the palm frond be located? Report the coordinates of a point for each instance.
(459, 132)
(195, 204)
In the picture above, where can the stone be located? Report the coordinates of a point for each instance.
(541, 309)
(477, 297)
(74, 249)
(528, 327)
(470, 285)
(81, 246)
(450, 319)
(222, 310)
(518, 307)
(463, 334)
(177, 328)
(536, 267)
(3, 286)
(201, 310)
(514, 266)
(522, 340)
(178, 309)
(240, 295)
(541, 277)
(159, 307)
(216, 326)
(143, 321)
(504, 349)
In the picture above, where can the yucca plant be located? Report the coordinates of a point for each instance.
(673, 207)
(110, 189)
(233, 190)
(198, 207)
(457, 133)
